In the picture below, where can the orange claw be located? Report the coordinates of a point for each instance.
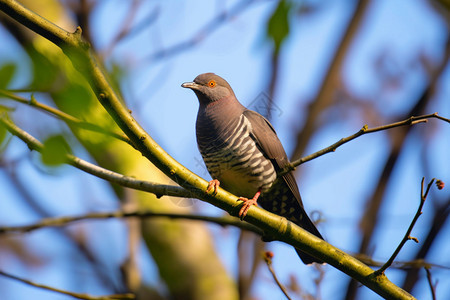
(247, 203)
(213, 184)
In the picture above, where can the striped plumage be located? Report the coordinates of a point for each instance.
(233, 157)
(241, 150)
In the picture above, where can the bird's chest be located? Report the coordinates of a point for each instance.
(232, 157)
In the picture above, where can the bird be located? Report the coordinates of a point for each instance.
(244, 155)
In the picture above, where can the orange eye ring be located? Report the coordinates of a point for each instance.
(211, 83)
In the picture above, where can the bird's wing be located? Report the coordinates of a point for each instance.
(267, 140)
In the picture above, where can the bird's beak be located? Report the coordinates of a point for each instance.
(190, 85)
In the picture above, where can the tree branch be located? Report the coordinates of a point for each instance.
(364, 130)
(430, 282)
(84, 59)
(408, 236)
(401, 265)
(75, 295)
(268, 259)
(65, 116)
(63, 221)
(203, 32)
(332, 79)
(126, 181)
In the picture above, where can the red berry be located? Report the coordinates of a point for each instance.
(440, 184)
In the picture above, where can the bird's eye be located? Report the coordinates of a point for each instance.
(211, 83)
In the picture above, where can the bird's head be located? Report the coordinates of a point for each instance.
(209, 88)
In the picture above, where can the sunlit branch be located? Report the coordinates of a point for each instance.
(64, 116)
(408, 236)
(75, 295)
(66, 220)
(364, 130)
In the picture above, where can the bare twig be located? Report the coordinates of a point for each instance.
(364, 130)
(430, 282)
(268, 259)
(65, 116)
(129, 29)
(332, 79)
(408, 236)
(75, 295)
(400, 265)
(62, 221)
(22, 187)
(440, 216)
(206, 30)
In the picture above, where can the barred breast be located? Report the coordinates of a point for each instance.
(234, 158)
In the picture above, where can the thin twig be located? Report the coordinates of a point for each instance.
(400, 265)
(65, 116)
(75, 295)
(268, 259)
(203, 32)
(430, 282)
(408, 236)
(130, 29)
(364, 130)
(63, 221)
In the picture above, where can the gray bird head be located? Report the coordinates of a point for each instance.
(209, 88)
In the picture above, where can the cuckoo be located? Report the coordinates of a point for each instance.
(243, 154)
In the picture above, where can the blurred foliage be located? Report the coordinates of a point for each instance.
(7, 72)
(278, 24)
(55, 150)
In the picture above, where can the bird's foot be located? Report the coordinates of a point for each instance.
(213, 185)
(247, 203)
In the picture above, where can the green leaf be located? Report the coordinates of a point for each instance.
(74, 99)
(278, 24)
(45, 73)
(7, 72)
(55, 150)
(2, 133)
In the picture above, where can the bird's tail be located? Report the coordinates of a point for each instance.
(284, 200)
